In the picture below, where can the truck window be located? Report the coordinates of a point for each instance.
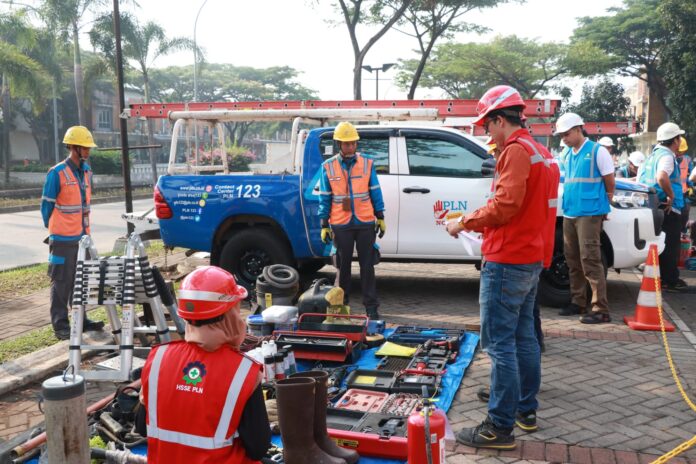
(374, 146)
(441, 158)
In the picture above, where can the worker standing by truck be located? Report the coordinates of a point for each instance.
(517, 225)
(65, 208)
(588, 189)
(351, 210)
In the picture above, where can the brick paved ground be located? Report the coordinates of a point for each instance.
(607, 394)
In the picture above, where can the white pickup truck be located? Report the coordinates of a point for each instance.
(427, 174)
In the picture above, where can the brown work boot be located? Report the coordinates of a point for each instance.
(295, 398)
(320, 402)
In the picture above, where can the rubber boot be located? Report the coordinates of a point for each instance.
(320, 402)
(296, 416)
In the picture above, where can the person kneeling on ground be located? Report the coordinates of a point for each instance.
(201, 398)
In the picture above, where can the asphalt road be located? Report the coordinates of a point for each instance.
(22, 234)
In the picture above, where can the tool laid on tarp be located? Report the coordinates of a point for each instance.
(316, 347)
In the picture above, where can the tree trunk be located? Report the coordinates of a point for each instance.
(79, 90)
(357, 78)
(419, 70)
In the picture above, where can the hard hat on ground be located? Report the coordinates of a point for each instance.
(636, 158)
(497, 98)
(606, 142)
(346, 132)
(668, 131)
(683, 146)
(80, 136)
(566, 122)
(207, 292)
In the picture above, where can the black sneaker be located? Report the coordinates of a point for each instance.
(595, 318)
(571, 310)
(487, 435)
(527, 421)
(90, 325)
(62, 334)
(483, 394)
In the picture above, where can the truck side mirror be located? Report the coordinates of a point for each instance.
(488, 167)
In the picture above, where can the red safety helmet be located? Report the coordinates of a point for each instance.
(208, 292)
(496, 98)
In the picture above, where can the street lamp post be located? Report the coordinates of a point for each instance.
(195, 53)
(382, 68)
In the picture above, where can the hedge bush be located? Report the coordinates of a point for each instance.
(107, 162)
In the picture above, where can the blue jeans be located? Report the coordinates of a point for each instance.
(507, 299)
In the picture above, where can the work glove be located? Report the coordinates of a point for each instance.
(326, 235)
(380, 226)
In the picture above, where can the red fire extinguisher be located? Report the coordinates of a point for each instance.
(426, 434)
(684, 249)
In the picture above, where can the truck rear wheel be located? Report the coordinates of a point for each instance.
(247, 252)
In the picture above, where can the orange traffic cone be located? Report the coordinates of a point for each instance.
(647, 315)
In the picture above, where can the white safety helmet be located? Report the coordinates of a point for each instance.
(567, 122)
(636, 158)
(606, 141)
(668, 131)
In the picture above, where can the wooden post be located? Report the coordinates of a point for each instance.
(66, 425)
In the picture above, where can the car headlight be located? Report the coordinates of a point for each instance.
(627, 199)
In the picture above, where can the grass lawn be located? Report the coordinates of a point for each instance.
(36, 201)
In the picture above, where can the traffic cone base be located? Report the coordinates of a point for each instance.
(647, 315)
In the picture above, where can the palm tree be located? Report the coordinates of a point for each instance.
(142, 46)
(21, 75)
(66, 16)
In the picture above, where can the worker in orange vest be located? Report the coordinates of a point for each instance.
(201, 398)
(65, 207)
(351, 210)
(684, 161)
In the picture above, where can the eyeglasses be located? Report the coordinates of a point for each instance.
(487, 123)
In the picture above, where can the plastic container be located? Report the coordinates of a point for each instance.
(277, 314)
(269, 368)
(288, 326)
(256, 326)
(269, 348)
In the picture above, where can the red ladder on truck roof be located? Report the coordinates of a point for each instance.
(538, 108)
(445, 108)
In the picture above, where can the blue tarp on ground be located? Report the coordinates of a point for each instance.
(368, 360)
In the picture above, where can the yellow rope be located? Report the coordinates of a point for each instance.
(687, 444)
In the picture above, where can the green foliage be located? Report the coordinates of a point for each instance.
(633, 39)
(25, 280)
(107, 162)
(604, 102)
(679, 61)
(238, 158)
(31, 167)
(466, 70)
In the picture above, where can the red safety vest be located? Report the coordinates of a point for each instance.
(529, 236)
(194, 401)
(358, 190)
(70, 216)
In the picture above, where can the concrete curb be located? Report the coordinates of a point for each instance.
(95, 201)
(36, 366)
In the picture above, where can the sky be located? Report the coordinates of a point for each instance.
(295, 33)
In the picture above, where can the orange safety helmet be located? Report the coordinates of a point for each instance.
(497, 98)
(208, 292)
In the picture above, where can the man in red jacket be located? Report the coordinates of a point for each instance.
(518, 232)
(202, 398)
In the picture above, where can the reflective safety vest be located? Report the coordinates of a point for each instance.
(194, 401)
(353, 188)
(684, 172)
(649, 176)
(529, 236)
(70, 215)
(584, 193)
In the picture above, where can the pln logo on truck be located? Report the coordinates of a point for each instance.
(446, 210)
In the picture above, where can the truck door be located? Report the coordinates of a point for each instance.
(375, 143)
(439, 179)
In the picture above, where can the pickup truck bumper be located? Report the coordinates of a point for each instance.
(631, 232)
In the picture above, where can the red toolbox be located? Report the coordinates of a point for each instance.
(377, 435)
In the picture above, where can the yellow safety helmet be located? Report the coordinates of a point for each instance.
(80, 136)
(346, 132)
(683, 146)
